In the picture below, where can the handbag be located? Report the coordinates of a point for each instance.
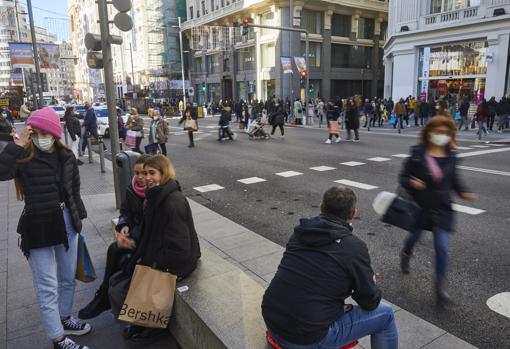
(130, 140)
(397, 210)
(458, 116)
(190, 125)
(150, 298)
(393, 119)
(333, 127)
(85, 271)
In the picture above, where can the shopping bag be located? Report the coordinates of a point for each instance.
(333, 127)
(190, 125)
(150, 298)
(397, 211)
(393, 119)
(85, 271)
(130, 140)
(458, 116)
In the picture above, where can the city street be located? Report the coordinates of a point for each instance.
(267, 186)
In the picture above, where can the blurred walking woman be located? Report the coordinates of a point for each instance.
(430, 175)
(190, 114)
(47, 179)
(135, 123)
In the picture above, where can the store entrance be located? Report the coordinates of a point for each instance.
(473, 88)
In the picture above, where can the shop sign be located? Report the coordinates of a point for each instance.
(425, 74)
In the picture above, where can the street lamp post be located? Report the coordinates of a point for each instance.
(182, 62)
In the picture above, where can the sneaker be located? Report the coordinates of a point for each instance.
(79, 162)
(74, 327)
(68, 343)
(97, 306)
(328, 141)
(356, 140)
(338, 140)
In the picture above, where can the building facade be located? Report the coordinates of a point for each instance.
(436, 47)
(345, 49)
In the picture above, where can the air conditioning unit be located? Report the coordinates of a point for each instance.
(404, 28)
(499, 12)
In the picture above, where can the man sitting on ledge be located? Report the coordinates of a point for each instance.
(323, 264)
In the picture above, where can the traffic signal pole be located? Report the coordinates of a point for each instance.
(307, 83)
(39, 104)
(110, 91)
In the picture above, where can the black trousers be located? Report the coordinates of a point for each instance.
(115, 259)
(190, 136)
(281, 129)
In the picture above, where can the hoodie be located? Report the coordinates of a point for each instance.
(323, 264)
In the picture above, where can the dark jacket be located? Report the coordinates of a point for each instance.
(332, 112)
(323, 264)
(225, 117)
(5, 133)
(40, 180)
(131, 211)
(491, 107)
(73, 126)
(90, 121)
(192, 113)
(424, 110)
(351, 118)
(169, 240)
(278, 117)
(435, 199)
(464, 107)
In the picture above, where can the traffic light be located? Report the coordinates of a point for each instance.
(302, 76)
(246, 25)
(204, 87)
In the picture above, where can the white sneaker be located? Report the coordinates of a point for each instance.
(338, 140)
(68, 343)
(328, 141)
(74, 327)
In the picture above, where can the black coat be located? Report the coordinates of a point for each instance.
(73, 126)
(323, 264)
(169, 240)
(278, 117)
(351, 119)
(435, 200)
(131, 212)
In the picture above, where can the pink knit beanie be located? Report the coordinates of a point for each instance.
(46, 119)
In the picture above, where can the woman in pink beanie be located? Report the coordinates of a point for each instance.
(47, 178)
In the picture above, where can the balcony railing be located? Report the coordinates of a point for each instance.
(452, 16)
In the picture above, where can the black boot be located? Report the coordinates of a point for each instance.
(404, 262)
(442, 297)
(99, 304)
(148, 336)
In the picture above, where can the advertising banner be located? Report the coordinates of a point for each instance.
(300, 63)
(16, 79)
(21, 55)
(424, 90)
(286, 65)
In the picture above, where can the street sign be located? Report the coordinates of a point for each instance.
(191, 91)
(4, 102)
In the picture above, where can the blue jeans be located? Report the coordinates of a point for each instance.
(356, 324)
(53, 271)
(440, 245)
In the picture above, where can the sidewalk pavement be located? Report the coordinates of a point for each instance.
(20, 325)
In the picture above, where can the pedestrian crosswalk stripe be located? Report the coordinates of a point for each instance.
(212, 126)
(464, 148)
(467, 209)
(480, 146)
(496, 145)
(251, 180)
(500, 304)
(483, 152)
(379, 159)
(352, 163)
(484, 170)
(288, 174)
(356, 184)
(322, 168)
(207, 188)
(401, 156)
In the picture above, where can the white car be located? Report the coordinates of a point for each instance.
(103, 126)
(60, 110)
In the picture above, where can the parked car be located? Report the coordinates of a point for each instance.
(60, 110)
(103, 128)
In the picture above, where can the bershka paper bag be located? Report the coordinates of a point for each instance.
(150, 298)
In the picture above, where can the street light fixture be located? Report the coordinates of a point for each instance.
(182, 58)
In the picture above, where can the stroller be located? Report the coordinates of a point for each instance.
(256, 128)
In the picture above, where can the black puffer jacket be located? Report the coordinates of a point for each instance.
(131, 212)
(39, 181)
(73, 126)
(169, 240)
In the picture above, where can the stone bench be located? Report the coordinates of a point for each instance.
(220, 308)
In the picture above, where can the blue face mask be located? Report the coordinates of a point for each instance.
(43, 144)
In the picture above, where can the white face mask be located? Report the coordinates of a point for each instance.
(43, 144)
(440, 140)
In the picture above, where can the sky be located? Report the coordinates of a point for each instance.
(51, 14)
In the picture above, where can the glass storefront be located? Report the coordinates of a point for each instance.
(456, 68)
(268, 89)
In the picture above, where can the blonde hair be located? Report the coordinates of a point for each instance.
(31, 150)
(163, 165)
(133, 111)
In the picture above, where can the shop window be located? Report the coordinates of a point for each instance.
(246, 58)
(213, 64)
(311, 21)
(366, 28)
(268, 55)
(384, 31)
(341, 25)
(314, 53)
(348, 56)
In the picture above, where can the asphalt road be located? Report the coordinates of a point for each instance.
(479, 249)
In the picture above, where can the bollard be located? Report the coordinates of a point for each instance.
(100, 143)
(89, 148)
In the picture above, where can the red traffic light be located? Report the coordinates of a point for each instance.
(246, 21)
(302, 73)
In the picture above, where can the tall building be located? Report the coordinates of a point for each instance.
(148, 54)
(345, 50)
(436, 47)
(9, 33)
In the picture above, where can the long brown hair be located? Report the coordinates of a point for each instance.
(31, 151)
(435, 122)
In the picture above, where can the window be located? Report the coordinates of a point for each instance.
(267, 19)
(384, 31)
(314, 53)
(311, 21)
(246, 58)
(347, 56)
(204, 12)
(437, 6)
(366, 28)
(198, 64)
(341, 25)
(212, 5)
(213, 64)
(191, 12)
(268, 55)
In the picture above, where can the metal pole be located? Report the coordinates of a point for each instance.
(182, 62)
(307, 83)
(19, 40)
(110, 92)
(132, 67)
(36, 54)
(291, 24)
(101, 154)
